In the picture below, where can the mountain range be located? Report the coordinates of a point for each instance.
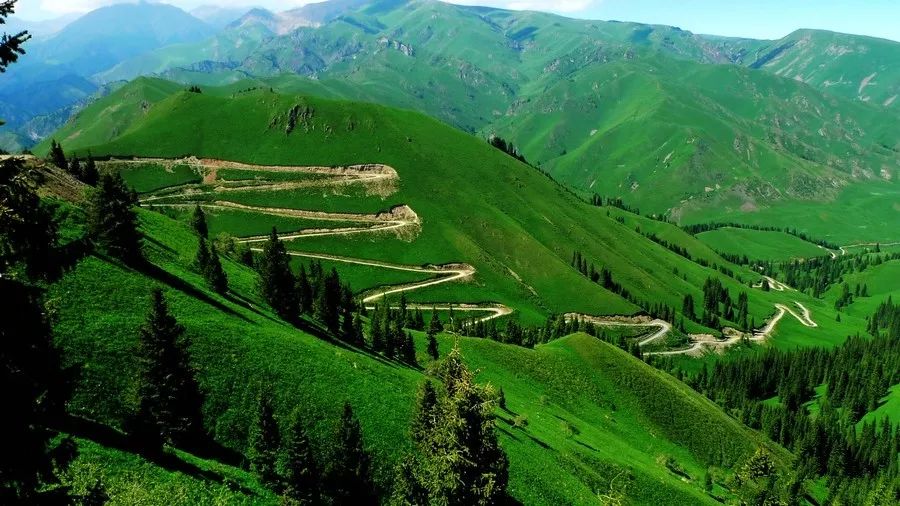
(656, 267)
(688, 126)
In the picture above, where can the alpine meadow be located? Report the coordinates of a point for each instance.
(409, 252)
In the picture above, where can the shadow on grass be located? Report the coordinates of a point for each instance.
(158, 273)
(589, 447)
(112, 438)
(239, 300)
(317, 330)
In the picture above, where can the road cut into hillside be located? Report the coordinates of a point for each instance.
(700, 343)
(400, 220)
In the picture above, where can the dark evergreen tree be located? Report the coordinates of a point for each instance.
(89, 174)
(214, 274)
(276, 281)
(435, 326)
(208, 264)
(408, 349)
(57, 156)
(328, 301)
(112, 222)
(298, 466)
(304, 292)
(198, 222)
(28, 230)
(425, 416)
(458, 458)
(687, 307)
(35, 388)
(170, 401)
(432, 346)
(265, 441)
(75, 168)
(350, 480)
(33, 382)
(376, 329)
(201, 260)
(349, 332)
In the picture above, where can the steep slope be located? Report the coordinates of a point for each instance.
(446, 198)
(593, 412)
(667, 120)
(476, 205)
(708, 142)
(850, 66)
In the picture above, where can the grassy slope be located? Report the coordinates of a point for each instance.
(629, 110)
(518, 222)
(760, 245)
(712, 142)
(837, 63)
(625, 413)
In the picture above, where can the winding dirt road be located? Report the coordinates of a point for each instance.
(867, 244)
(382, 179)
(701, 342)
(400, 220)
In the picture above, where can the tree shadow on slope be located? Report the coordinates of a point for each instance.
(163, 276)
(166, 459)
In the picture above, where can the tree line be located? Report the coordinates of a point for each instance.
(604, 278)
(816, 275)
(507, 147)
(707, 227)
(87, 172)
(554, 327)
(857, 459)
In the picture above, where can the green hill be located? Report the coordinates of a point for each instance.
(593, 412)
(475, 205)
(850, 66)
(521, 256)
(667, 120)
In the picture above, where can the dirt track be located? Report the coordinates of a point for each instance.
(399, 220)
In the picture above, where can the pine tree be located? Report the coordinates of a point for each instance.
(426, 415)
(28, 230)
(276, 281)
(35, 389)
(34, 384)
(58, 156)
(112, 222)
(435, 326)
(350, 472)
(90, 175)
(170, 401)
(75, 168)
(328, 301)
(198, 222)
(264, 441)
(214, 274)
(458, 458)
(298, 466)
(201, 260)
(358, 338)
(433, 346)
(376, 330)
(304, 292)
(348, 328)
(208, 264)
(408, 349)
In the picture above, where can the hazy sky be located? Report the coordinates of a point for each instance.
(748, 18)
